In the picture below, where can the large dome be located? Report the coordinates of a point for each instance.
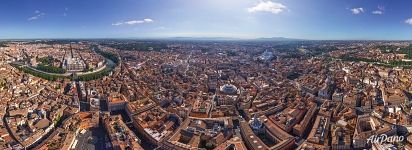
(228, 89)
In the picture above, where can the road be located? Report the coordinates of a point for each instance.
(188, 63)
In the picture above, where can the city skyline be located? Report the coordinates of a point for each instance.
(243, 19)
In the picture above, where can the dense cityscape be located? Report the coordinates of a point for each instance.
(179, 94)
(205, 75)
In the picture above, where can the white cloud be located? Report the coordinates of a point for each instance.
(380, 11)
(148, 20)
(117, 24)
(268, 6)
(37, 15)
(65, 12)
(377, 12)
(357, 10)
(133, 22)
(409, 21)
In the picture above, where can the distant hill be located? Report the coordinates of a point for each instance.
(278, 39)
(232, 39)
(205, 38)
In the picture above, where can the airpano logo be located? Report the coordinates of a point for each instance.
(383, 138)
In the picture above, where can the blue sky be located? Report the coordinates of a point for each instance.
(304, 19)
